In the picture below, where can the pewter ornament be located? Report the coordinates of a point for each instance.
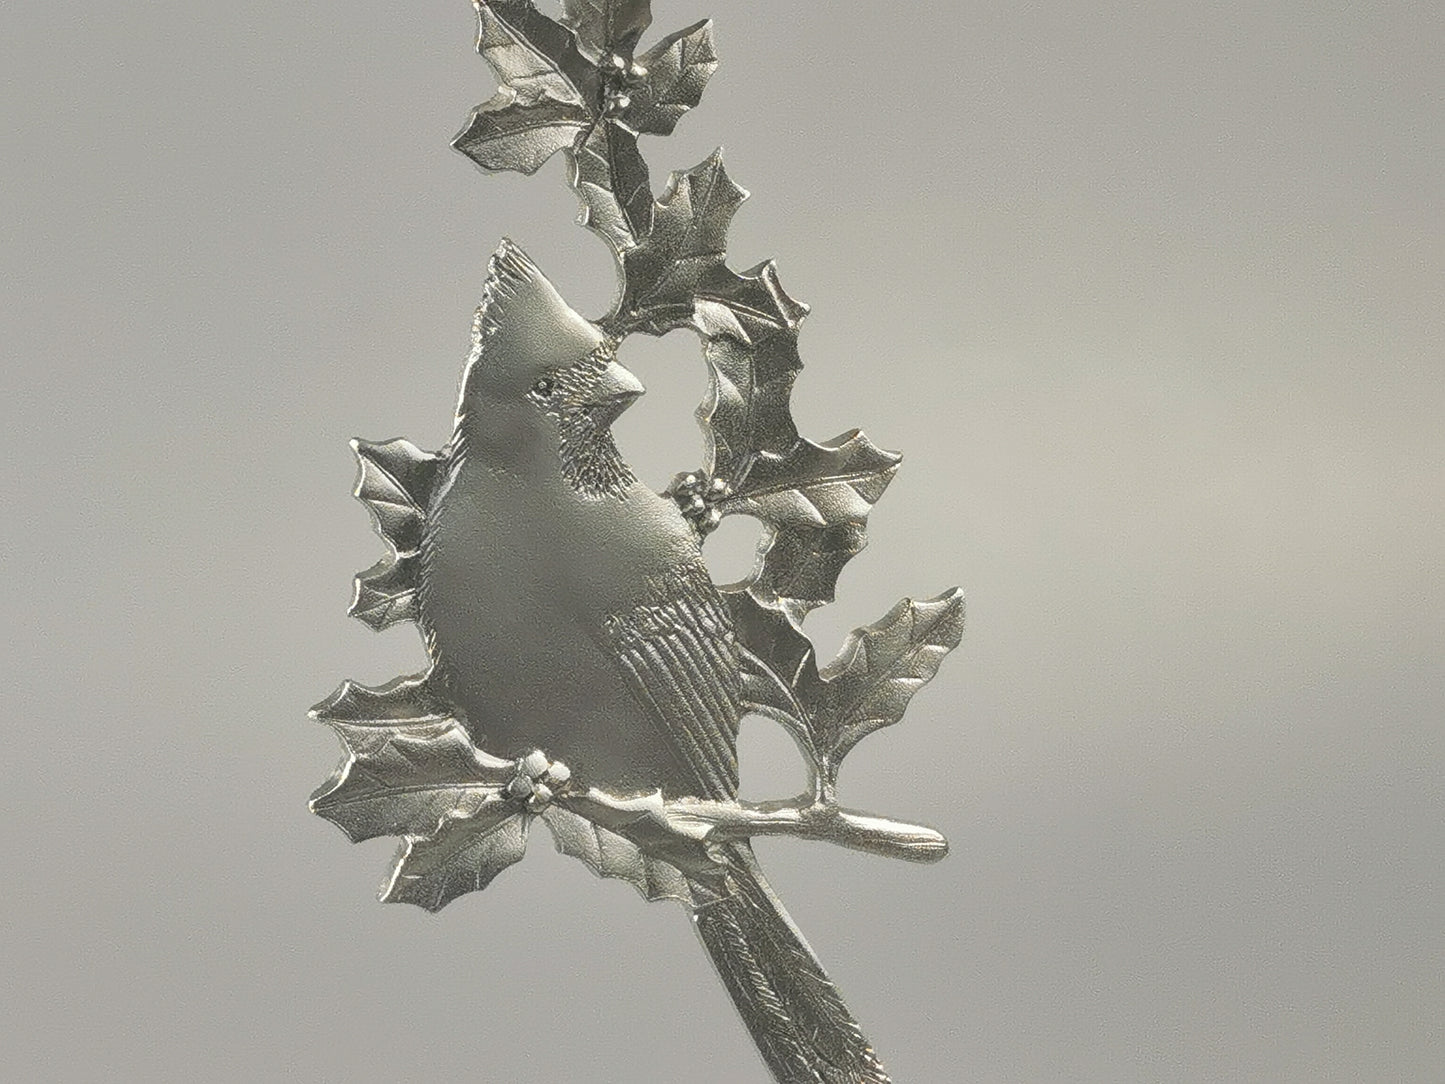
(583, 668)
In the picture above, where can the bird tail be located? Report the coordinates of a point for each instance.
(795, 1014)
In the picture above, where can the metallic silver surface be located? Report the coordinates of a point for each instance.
(584, 668)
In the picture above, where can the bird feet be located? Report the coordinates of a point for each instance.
(698, 495)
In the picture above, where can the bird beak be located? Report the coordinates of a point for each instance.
(615, 391)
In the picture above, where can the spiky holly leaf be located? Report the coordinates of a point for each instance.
(395, 483)
(536, 56)
(407, 700)
(752, 363)
(607, 854)
(464, 856)
(868, 686)
(813, 498)
(385, 594)
(610, 176)
(553, 94)
(411, 769)
(503, 134)
(765, 630)
(800, 564)
(663, 274)
(779, 664)
(660, 829)
(814, 501)
(607, 168)
(406, 780)
(548, 92)
(608, 26)
(678, 70)
(816, 484)
(755, 293)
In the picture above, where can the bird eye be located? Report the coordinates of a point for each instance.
(544, 387)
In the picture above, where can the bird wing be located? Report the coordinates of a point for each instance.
(678, 652)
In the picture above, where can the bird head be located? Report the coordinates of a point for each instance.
(538, 371)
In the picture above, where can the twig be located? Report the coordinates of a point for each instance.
(828, 822)
(682, 830)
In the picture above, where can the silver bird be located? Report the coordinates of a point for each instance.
(566, 607)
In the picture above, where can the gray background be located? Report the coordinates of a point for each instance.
(1149, 294)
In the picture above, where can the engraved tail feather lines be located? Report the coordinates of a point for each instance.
(796, 1016)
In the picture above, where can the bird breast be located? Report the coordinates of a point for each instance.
(520, 578)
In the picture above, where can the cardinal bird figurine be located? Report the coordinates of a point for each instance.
(584, 670)
(566, 607)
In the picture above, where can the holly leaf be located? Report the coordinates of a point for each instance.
(678, 69)
(662, 273)
(879, 669)
(658, 828)
(752, 364)
(535, 56)
(607, 854)
(409, 760)
(867, 687)
(610, 176)
(608, 26)
(385, 594)
(779, 665)
(504, 134)
(815, 484)
(403, 701)
(406, 780)
(464, 856)
(548, 91)
(814, 500)
(756, 296)
(766, 631)
(800, 564)
(395, 483)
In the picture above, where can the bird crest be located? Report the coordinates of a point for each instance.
(523, 325)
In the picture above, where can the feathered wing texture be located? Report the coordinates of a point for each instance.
(795, 1014)
(679, 654)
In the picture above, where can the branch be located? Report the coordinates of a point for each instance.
(683, 831)
(828, 822)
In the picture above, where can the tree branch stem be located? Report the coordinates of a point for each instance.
(828, 822)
